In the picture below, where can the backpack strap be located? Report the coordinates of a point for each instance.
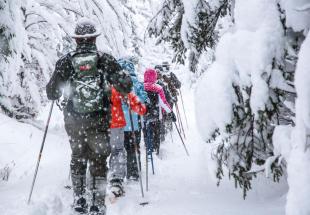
(71, 55)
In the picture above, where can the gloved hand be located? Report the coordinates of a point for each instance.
(172, 117)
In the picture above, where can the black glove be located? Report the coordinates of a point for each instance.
(173, 117)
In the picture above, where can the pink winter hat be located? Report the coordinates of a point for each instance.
(150, 76)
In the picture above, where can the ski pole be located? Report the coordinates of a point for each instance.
(180, 117)
(149, 154)
(41, 150)
(146, 168)
(147, 151)
(183, 107)
(178, 120)
(181, 138)
(136, 150)
(181, 123)
(151, 148)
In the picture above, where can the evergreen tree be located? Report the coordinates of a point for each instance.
(36, 33)
(261, 95)
(190, 27)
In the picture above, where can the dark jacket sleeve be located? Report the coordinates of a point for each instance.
(119, 78)
(60, 76)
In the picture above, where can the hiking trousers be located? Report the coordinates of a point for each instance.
(152, 131)
(90, 145)
(118, 157)
(132, 167)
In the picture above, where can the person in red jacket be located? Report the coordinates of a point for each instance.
(118, 159)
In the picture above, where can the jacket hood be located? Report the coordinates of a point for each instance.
(127, 65)
(150, 76)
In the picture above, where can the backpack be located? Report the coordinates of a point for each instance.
(87, 84)
(152, 106)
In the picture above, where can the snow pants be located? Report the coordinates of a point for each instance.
(90, 145)
(118, 157)
(152, 131)
(132, 166)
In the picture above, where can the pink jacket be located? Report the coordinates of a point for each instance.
(150, 78)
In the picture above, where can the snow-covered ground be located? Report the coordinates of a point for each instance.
(181, 184)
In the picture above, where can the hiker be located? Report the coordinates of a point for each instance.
(138, 89)
(166, 121)
(155, 107)
(172, 81)
(118, 159)
(162, 82)
(86, 75)
(173, 85)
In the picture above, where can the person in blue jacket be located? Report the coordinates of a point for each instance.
(138, 88)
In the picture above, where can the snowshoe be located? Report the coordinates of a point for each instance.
(116, 187)
(115, 190)
(95, 210)
(80, 205)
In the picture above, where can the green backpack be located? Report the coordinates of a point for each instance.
(86, 85)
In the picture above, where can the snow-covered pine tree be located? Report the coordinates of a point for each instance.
(250, 86)
(6, 34)
(135, 40)
(189, 26)
(35, 33)
(202, 34)
(12, 97)
(166, 26)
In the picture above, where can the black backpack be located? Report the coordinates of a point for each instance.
(153, 110)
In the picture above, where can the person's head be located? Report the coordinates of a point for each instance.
(150, 76)
(128, 65)
(86, 31)
(159, 70)
(165, 66)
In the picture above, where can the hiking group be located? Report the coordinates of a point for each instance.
(106, 109)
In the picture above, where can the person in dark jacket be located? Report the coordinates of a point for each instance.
(166, 123)
(86, 75)
(155, 107)
(172, 81)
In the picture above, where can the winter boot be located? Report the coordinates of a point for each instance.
(79, 184)
(116, 187)
(80, 205)
(97, 188)
(95, 210)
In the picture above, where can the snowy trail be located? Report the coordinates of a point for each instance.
(181, 184)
